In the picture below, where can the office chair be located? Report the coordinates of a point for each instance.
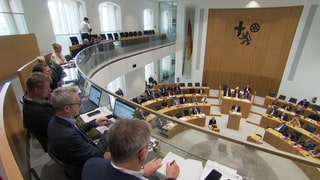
(122, 35)
(190, 84)
(186, 112)
(316, 107)
(135, 33)
(103, 36)
(72, 172)
(197, 84)
(158, 107)
(272, 94)
(94, 36)
(130, 34)
(116, 36)
(282, 97)
(225, 86)
(126, 34)
(74, 40)
(295, 136)
(139, 33)
(310, 128)
(178, 114)
(293, 100)
(204, 84)
(110, 37)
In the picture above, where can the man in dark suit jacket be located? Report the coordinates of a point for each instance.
(282, 128)
(37, 110)
(236, 108)
(283, 116)
(304, 103)
(227, 92)
(68, 141)
(273, 111)
(127, 163)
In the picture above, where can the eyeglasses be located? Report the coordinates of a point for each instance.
(77, 103)
(150, 145)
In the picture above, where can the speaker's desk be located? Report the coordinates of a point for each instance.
(228, 102)
(234, 120)
(276, 139)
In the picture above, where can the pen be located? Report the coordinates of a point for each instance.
(172, 162)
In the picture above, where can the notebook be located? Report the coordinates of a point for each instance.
(93, 101)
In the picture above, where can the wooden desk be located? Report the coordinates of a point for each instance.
(268, 100)
(152, 104)
(305, 134)
(171, 129)
(172, 110)
(234, 120)
(186, 88)
(268, 121)
(228, 102)
(275, 139)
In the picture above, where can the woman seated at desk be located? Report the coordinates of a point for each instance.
(295, 121)
(315, 152)
(212, 123)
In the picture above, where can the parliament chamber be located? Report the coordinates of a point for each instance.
(254, 152)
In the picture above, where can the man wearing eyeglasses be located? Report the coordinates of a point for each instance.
(129, 145)
(66, 140)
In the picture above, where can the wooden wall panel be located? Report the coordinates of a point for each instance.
(261, 63)
(16, 51)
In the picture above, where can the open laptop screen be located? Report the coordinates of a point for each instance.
(123, 110)
(95, 95)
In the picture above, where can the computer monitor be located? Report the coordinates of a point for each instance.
(123, 110)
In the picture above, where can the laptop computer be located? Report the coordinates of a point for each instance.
(93, 100)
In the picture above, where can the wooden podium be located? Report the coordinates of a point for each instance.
(234, 120)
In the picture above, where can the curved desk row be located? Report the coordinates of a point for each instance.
(268, 121)
(156, 104)
(268, 100)
(171, 129)
(184, 88)
(271, 121)
(275, 139)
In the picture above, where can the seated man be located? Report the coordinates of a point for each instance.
(275, 103)
(129, 143)
(314, 115)
(282, 128)
(68, 141)
(37, 110)
(183, 99)
(304, 103)
(306, 144)
(227, 92)
(55, 74)
(283, 116)
(287, 107)
(236, 108)
(273, 111)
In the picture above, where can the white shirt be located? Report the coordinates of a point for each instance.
(85, 27)
(58, 58)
